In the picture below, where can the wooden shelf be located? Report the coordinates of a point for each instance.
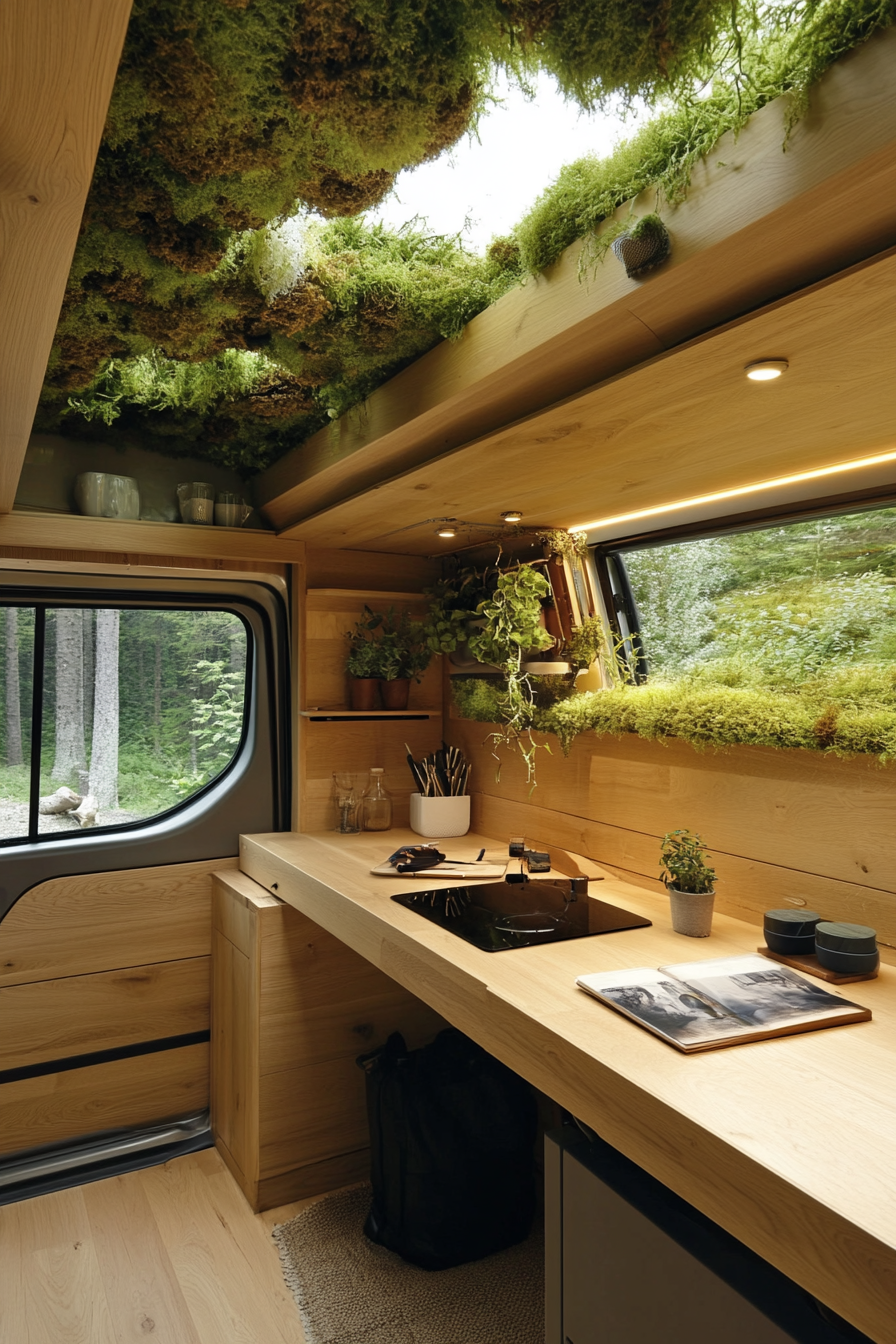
(367, 594)
(324, 713)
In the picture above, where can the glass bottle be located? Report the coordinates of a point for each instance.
(376, 803)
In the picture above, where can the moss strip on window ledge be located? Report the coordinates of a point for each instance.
(705, 716)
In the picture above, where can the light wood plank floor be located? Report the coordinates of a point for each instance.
(171, 1254)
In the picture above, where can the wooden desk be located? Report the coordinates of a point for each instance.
(789, 1144)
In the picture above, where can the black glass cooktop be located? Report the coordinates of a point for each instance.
(498, 916)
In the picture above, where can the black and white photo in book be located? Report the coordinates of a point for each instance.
(700, 1004)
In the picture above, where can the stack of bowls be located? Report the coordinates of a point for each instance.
(791, 933)
(848, 949)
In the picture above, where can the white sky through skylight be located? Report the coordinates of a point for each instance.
(483, 187)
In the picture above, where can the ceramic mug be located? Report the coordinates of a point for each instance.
(231, 510)
(197, 501)
(102, 495)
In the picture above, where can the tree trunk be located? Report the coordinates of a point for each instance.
(13, 703)
(87, 616)
(157, 691)
(70, 752)
(104, 751)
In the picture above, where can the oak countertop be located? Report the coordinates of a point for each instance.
(790, 1144)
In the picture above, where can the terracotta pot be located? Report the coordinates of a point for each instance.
(692, 912)
(362, 692)
(395, 693)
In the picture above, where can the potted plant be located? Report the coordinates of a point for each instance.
(365, 661)
(405, 656)
(689, 880)
(586, 643)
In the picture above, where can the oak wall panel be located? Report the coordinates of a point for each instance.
(783, 826)
(106, 921)
(78, 1014)
(143, 1090)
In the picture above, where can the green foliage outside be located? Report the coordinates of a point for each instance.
(784, 637)
(181, 696)
(205, 316)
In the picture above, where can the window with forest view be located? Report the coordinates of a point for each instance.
(137, 710)
(806, 609)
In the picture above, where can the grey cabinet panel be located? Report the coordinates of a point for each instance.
(625, 1281)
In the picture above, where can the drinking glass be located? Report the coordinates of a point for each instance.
(346, 803)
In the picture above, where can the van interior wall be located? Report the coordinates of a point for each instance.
(783, 827)
(338, 585)
(91, 963)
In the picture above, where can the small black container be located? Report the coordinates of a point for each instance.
(790, 932)
(848, 949)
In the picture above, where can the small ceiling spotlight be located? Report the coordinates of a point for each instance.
(512, 515)
(763, 370)
(447, 530)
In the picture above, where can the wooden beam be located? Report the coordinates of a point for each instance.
(685, 424)
(58, 62)
(63, 531)
(758, 224)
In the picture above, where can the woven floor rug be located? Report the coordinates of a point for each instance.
(352, 1292)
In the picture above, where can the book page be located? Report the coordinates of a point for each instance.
(665, 1005)
(760, 992)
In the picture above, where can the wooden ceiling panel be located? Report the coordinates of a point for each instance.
(58, 62)
(683, 424)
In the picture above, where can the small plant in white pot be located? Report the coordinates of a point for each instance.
(690, 882)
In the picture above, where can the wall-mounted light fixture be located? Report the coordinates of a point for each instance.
(512, 515)
(764, 370)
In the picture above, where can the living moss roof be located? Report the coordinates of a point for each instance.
(195, 322)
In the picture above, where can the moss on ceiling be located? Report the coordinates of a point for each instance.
(196, 321)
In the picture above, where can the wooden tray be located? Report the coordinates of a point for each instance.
(812, 966)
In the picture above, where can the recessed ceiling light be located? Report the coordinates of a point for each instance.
(446, 531)
(763, 370)
(512, 515)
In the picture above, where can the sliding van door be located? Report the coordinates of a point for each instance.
(143, 730)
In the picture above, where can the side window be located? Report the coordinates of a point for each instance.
(114, 715)
(804, 606)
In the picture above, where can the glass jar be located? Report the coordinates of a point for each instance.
(376, 803)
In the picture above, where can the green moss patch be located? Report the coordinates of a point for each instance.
(862, 720)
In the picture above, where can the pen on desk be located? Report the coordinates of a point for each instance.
(480, 856)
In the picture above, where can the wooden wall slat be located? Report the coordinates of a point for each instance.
(54, 1019)
(142, 1090)
(105, 921)
(781, 825)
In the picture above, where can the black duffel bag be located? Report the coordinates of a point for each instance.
(452, 1134)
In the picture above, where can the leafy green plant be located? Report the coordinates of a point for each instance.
(453, 601)
(586, 643)
(387, 646)
(404, 648)
(511, 627)
(684, 866)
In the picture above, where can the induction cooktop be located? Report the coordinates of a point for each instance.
(499, 916)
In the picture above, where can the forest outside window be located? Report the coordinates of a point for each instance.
(806, 609)
(114, 715)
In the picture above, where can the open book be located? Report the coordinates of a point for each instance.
(700, 1005)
